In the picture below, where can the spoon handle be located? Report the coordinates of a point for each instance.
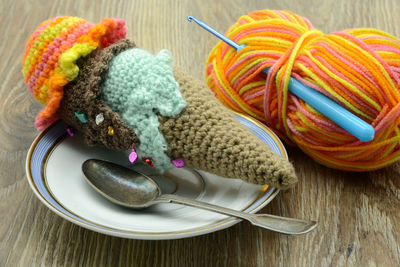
(274, 223)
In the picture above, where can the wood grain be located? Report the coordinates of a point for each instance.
(359, 222)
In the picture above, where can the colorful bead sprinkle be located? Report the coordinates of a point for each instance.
(81, 116)
(148, 161)
(99, 119)
(110, 131)
(70, 132)
(179, 163)
(133, 156)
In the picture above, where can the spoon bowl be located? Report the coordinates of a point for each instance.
(121, 185)
(132, 189)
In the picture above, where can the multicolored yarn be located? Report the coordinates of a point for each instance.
(358, 68)
(51, 53)
(139, 86)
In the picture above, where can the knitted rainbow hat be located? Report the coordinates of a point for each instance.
(51, 53)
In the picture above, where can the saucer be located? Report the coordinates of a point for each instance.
(53, 168)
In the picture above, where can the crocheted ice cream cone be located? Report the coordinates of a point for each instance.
(127, 99)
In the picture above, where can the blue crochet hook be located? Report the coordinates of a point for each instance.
(344, 118)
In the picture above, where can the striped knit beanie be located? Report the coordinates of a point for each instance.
(49, 62)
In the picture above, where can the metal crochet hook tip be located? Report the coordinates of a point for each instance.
(217, 34)
(344, 118)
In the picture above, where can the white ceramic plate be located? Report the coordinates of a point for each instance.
(53, 168)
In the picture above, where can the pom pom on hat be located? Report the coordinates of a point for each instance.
(51, 52)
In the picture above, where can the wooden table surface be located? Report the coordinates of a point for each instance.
(358, 213)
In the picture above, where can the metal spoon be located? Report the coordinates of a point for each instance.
(132, 189)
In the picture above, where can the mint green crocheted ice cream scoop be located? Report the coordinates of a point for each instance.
(138, 86)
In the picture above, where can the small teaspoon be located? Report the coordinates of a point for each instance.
(129, 188)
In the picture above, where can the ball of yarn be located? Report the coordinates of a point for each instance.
(357, 68)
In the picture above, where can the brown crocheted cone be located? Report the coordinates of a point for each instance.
(208, 137)
(83, 96)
